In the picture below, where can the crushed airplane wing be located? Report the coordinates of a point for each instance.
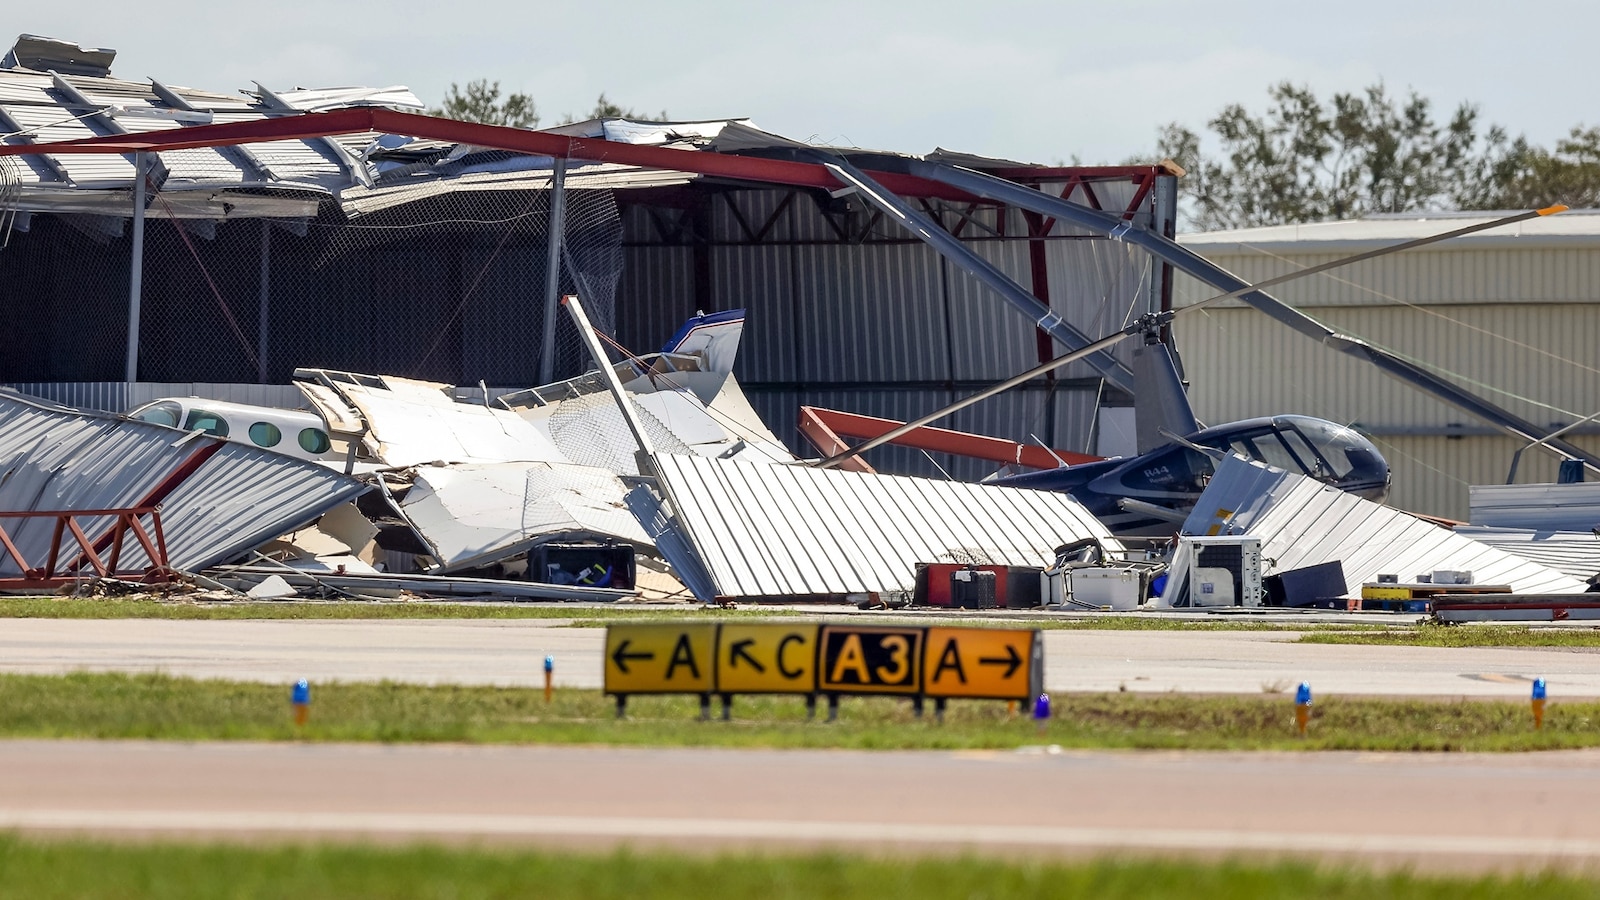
(1302, 522)
(218, 498)
(409, 422)
(755, 530)
(473, 515)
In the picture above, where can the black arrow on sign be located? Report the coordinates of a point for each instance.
(737, 650)
(1011, 661)
(622, 656)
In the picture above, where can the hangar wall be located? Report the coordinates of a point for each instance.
(1512, 318)
(857, 315)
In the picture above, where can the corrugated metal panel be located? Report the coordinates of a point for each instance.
(295, 161)
(1544, 507)
(54, 458)
(757, 208)
(121, 396)
(1242, 363)
(1531, 274)
(199, 164)
(760, 279)
(773, 531)
(53, 123)
(1377, 231)
(658, 283)
(870, 313)
(1302, 522)
(1571, 552)
(1098, 286)
(989, 339)
(673, 543)
(20, 86)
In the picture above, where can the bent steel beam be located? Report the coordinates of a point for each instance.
(950, 247)
(1193, 264)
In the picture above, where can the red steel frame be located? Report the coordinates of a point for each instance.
(127, 522)
(824, 427)
(357, 120)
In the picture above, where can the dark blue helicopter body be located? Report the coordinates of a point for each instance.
(1151, 493)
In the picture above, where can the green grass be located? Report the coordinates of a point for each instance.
(1462, 636)
(44, 870)
(144, 607)
(149, 608)
(160, 707)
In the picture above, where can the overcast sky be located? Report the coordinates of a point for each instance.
(1042, 82)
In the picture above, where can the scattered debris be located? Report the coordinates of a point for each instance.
(1301, 522)
(218, 499)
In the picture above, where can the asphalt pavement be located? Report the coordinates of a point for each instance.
(510, 652)
(1451, 811)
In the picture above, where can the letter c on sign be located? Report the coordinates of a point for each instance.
(783, 645)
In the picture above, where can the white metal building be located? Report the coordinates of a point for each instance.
(1510, 313)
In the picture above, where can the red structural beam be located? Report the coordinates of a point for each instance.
(357, 120)
(50, 573)
(824, 427)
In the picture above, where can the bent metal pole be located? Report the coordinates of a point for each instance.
(1162, 318)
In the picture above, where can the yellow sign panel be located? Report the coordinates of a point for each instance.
(767, 659)
(982, 663)
(865, 660)
(661, 658)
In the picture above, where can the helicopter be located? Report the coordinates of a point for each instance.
(1151, 493)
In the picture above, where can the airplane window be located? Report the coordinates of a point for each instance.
(265, 434)
(165, 413)
(314, 440)
(209, 422)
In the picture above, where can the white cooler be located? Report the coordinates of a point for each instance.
(1116, 588)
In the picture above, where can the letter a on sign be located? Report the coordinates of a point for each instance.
(660, 658)
(850, 665)
(984, 663)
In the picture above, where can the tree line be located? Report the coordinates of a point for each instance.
(1305, 159)
(480, 101)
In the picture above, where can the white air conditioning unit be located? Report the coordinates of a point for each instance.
(1222, 571)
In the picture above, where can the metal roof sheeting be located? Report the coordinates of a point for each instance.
(776, 530)
(1543, 507)
(1573, 552)
(1581, 228)
(235, 497)
(1302, 522)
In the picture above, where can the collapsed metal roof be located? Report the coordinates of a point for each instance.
(1302, 522)
(218, 498)
(1541, 507)
(1573, 552)
(770, 530)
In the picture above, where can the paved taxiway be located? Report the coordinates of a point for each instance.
(1455, 810)
(510, 652)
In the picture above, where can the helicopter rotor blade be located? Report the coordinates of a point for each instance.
(1158, 319)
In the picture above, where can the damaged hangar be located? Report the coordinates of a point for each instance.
(425, 257)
